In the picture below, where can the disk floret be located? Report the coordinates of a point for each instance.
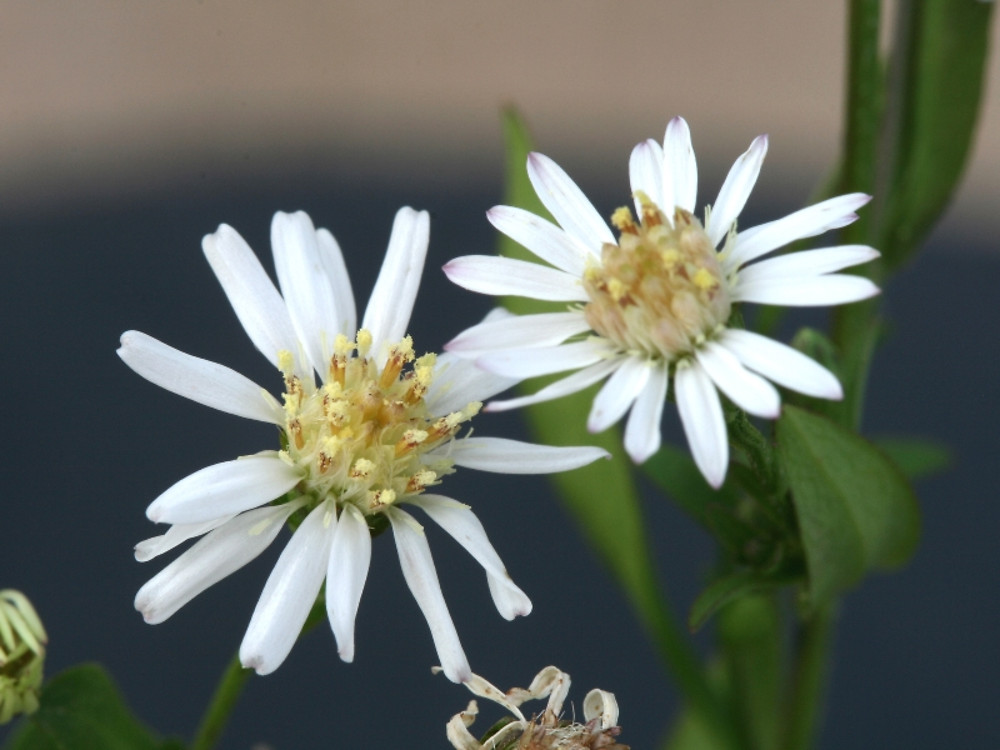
(660, 291)
(364, 437)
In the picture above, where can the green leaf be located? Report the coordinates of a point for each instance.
(602, 496)
(916, 458)
(674, 472)
(855, 509)
(82, 709)
(936, 82)
(724, 590)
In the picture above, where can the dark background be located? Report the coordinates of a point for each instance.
(88, 444)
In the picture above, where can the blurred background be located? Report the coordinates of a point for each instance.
(128, 131)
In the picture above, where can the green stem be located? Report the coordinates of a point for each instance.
(809, 679)
(853, 324)
(221, 706)
(674, 646)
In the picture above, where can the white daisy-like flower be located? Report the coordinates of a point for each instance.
(546, 730)
(653, 305)
(378, 429)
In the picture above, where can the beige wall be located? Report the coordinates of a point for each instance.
(100, 97)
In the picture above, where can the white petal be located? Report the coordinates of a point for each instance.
(518, 332)
(782, 364)
(567, 203)
(808, 222)
(736, 190)
(305, 286)
(418, 570)
(831, 289)
(645, 170)
(224, 489)
(223, 551)
(747, 390)
(391, 303)
(465, 528)
(289, 593)
(505, 456)
(642, 431)
(198, 379)
(529, 363)
(619, 393)
(543, 238)
(808, 263)
(350, 557)
(332, 259)
(704, 425)
(600, 704)
(490, 274)
(257, 304)
(458, 382)
(571, 384)
(680, 170)
(177, 534)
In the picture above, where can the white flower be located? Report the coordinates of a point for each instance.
(378, 429)
(547, 730)
(653, 305)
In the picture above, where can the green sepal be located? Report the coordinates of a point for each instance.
(916, 458)
(855, 509)
(82, 709)
(936, 82)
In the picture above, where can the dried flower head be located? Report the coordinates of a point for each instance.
(545, 731)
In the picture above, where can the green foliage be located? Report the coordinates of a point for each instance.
(916, 458)
(936, 79)
(855, 509)
(81, 709)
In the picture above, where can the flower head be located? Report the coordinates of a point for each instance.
(653, 305)
(377, 429)
(545, 731)
(22, 655)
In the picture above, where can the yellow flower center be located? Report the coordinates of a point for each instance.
(660, 290)
(364, 436)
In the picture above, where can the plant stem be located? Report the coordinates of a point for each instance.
(809, 679)
(675, 649)
(220, 707)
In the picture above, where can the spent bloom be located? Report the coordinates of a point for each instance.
(378, 428)
(545, 731)
(22, 655)
(653, 305)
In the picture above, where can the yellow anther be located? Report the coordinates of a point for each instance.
(364, 340)
(421, 480)
(617, 289)
(362, 469)
(381, 498)
(623, 221)
(704, 279)
(286, 362)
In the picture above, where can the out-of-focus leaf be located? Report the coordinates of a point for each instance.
(855, 509)
(724, 590)
(675, 473)
(936, 82)
(81, 709)
(915, 457)
(602, 496)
